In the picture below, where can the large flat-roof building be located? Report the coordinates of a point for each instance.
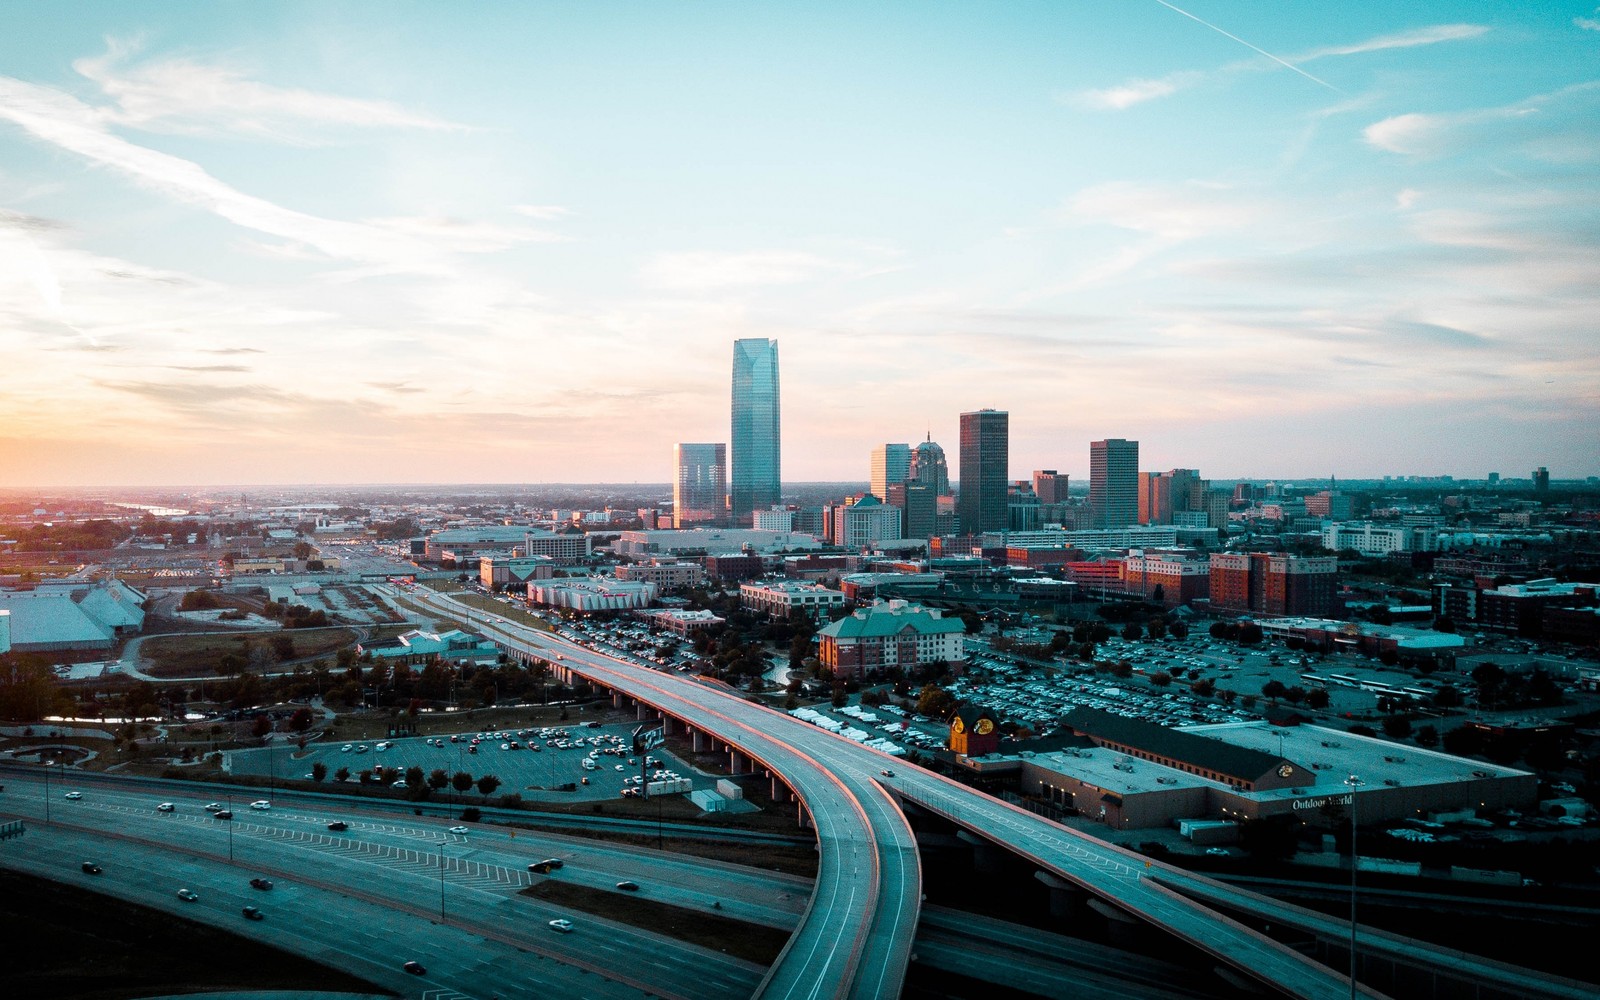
(592, 594)
(1273, 583)
(710, 541)
(782, 598)
(983, 501)
(1114, 482)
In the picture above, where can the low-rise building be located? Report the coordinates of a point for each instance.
(496, 572)
(593, 593)
(419, 647)
(682, 622)
(782, 598)
(890, 635)
(665, 575)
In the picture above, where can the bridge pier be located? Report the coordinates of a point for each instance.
(641, 711)
(1122, 930)
(777, 789)
(698, 740)
(986, 858)
(671, 726)
(738, 763)
(1066, 899)
(802, 815)
(617, 699)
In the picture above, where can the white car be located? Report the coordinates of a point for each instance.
(187, 895)
(212, 807)
(261, 804)
(459, 829)
(561, 926)
(346, 748)
(166, 807)
(74, 795)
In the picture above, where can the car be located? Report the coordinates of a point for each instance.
(260, 883)
(1217, 852)
(886, 773)
(415, 968)
(547, 865)
(338, 825)
(628, 886)
(459, 829)
(166, 807)
(561, 926)
(73, 795)
(212, 807)
(187, 895)
(91, 868)
(223, 814)
(346, 748)
(261, 805)
(252, 913)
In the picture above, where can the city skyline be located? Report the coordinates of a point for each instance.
(324, 243)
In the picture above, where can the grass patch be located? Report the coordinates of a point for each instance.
(799, 860)
(199, 655)
(510, 612)
(67, 943)
(751, 942)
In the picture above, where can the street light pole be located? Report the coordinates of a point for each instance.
(441, 881)
(1355, 864)
(46, 790)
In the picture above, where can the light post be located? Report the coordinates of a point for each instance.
(47, 765)
(1355, 864)
(441, 881)
(230, 829)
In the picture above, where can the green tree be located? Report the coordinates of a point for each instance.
(438, 779)
(935, 702)
(414, 777)
(1273, 690)
(487, 784)
(461, 781)
(1397, 727)
(343, 774)
(319, 771)
(1161, 678)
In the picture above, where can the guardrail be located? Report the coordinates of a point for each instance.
(12, 829)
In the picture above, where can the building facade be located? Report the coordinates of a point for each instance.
(985, 453)
(1050, 486)
(665, 575)
(891, 464)
(757, 430)
(700, 492)
(929, 467)
(782, 599)
(1273, 583)
(887, 636)
(858, 525)
(1114, 482)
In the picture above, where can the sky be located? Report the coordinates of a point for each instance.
(513, 242)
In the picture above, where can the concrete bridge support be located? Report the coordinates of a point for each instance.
(986, 858)
(1066, 899)
(618, 699)
(777, 789)
(738, 763)
(699, 741)
(672, 726)
(1122, 929)
(641, 711)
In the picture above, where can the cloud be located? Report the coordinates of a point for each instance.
(1555, 127)
(1171, 212)
(180, 95)
(1588, 23)
(209, 368)
(1139, 91)
(700, 271)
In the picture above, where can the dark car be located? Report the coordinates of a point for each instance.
(628, 886)
(260, 883)
(338, 825)
(415, 968)
(223, 814)
(546, 866)
(91, 868)
(252, 913)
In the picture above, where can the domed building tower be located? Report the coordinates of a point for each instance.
(928, 466)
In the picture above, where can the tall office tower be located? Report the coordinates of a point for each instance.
(919, 505)
(757, 432)
(1541, 479)
(1163, 493)
(1050, 486)
(985, 451)
(700, 494)
(1114, 482)
(891, 463)
(928, 467)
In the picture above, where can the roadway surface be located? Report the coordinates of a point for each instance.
(855, 938)
(890, 922)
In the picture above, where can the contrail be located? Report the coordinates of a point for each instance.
(1269, 55)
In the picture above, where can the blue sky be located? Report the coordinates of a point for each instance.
(513, 242)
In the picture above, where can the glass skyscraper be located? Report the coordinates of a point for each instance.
(1114, 482)
(757, 430)
(700, 496)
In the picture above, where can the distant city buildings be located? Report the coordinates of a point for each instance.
(868, 520)
(1114, 482)
(1162, 494)
(700, 492)
(928, 466)
(985, 451)
(757, 436)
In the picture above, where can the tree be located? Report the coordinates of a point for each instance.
(1426, 736)
(1204, 687)
(1273, 690)
(1317, 698)
(414, 777)
(1447, 697)
(438, 779)
(300, 721)
(343, 774)
(461, 781)
(319, 771)
(1160, 678)
(935, 702)
(261, 726)
(1249, 634)
(487, 784)
(1132, 632)
(1490, 679)
(1397, 727)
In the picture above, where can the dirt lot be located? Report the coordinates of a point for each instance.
(66, 943)
(198, 655)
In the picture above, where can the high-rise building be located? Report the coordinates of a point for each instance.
(1162, 494)
(700, 493)
(757, 431)
(1050, 486)
(919, 507)
(929, 468)
(1114, 482)
(868, 520)
(1273, 583)
(982, 504)
(1541, 479)
(891, 463)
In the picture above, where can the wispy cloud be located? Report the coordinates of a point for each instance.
(182, 95)
(1588, 23)
(1138, 91)
(1555, 127)
(700, 271)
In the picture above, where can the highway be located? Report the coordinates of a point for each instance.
(855, 938)
(342, 889)
(1104, 870)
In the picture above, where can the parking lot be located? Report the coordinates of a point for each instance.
(543, 759)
